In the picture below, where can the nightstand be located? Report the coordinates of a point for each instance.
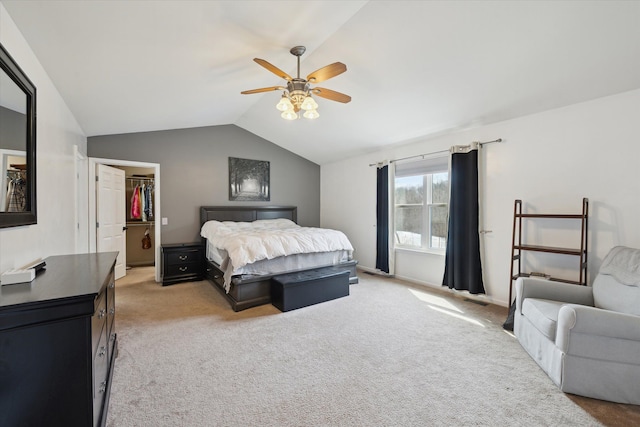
(182, 262)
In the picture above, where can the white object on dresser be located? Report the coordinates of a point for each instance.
(10, 277)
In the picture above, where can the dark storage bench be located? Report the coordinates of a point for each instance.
(297, 290)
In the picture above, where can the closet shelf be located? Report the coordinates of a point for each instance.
(140, 223)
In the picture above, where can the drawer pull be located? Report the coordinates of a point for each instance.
(103, 387)
(183, 257)
(112, 311)
(102, 313)
(103, 351)
(216, 276)
(113, 337)
(183, 269)
(112, 285)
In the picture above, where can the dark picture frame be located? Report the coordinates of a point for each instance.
(249, 180)
(12, 71)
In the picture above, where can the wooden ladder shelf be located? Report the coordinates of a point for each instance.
(518, 247)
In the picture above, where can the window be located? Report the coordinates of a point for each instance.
(421, 204)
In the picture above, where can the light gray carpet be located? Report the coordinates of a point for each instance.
(387, 355)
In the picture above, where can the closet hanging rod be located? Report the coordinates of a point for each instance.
(433, 152)
(140, 224)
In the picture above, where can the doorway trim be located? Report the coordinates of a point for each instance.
(81, 223)
(93, 161)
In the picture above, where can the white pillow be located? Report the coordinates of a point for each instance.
(273, 224)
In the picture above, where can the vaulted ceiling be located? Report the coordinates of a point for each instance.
(414, 68)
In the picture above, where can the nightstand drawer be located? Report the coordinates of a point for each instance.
(184, 257)
(184, 269)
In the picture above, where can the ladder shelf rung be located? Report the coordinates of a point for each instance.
(549, 249)
(551, 216)
(551, 279)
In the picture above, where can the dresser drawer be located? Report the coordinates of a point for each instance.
(98, 320)
(111, 315)
(100, 375)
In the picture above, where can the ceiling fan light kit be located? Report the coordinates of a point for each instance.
(296, 95)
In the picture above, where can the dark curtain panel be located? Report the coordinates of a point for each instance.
(463, 269)
(382, 220)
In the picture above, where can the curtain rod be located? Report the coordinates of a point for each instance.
(434, 152)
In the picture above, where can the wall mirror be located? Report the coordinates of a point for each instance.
(17, 145)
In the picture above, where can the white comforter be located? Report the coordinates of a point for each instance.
(248, 242)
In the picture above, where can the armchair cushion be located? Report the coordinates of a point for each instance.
(543, 315)
(610, 294)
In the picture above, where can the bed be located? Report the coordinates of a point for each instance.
(250, 286)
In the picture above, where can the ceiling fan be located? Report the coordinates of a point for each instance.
(297, 93)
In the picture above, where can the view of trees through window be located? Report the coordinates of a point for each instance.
(421, 210)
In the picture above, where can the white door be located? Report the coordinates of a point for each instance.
(111, 215)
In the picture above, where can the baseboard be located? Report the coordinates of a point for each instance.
(485, 299)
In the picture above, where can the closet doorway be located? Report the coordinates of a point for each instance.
(142, 211)
(139, 200)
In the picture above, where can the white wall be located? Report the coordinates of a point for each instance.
(550, 160)
(57, 133)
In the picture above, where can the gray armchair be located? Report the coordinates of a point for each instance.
(586, 338)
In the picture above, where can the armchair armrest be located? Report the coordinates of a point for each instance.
(598, 333)
(527, 287)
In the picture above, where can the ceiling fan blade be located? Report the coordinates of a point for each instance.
(331, 94)
(264, 89)
(325, 73)
(275, 70)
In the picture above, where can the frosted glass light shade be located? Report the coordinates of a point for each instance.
(311, 114)
(289, 115)
(309, 104)
(284, 104)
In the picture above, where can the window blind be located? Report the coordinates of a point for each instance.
(422, 166)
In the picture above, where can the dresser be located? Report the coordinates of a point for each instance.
(58, 343)
(182, 262)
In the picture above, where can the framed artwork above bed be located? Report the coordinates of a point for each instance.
(249, 180)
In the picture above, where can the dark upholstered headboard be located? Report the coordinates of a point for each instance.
(246, 213)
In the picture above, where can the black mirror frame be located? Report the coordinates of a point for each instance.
(14, 219)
